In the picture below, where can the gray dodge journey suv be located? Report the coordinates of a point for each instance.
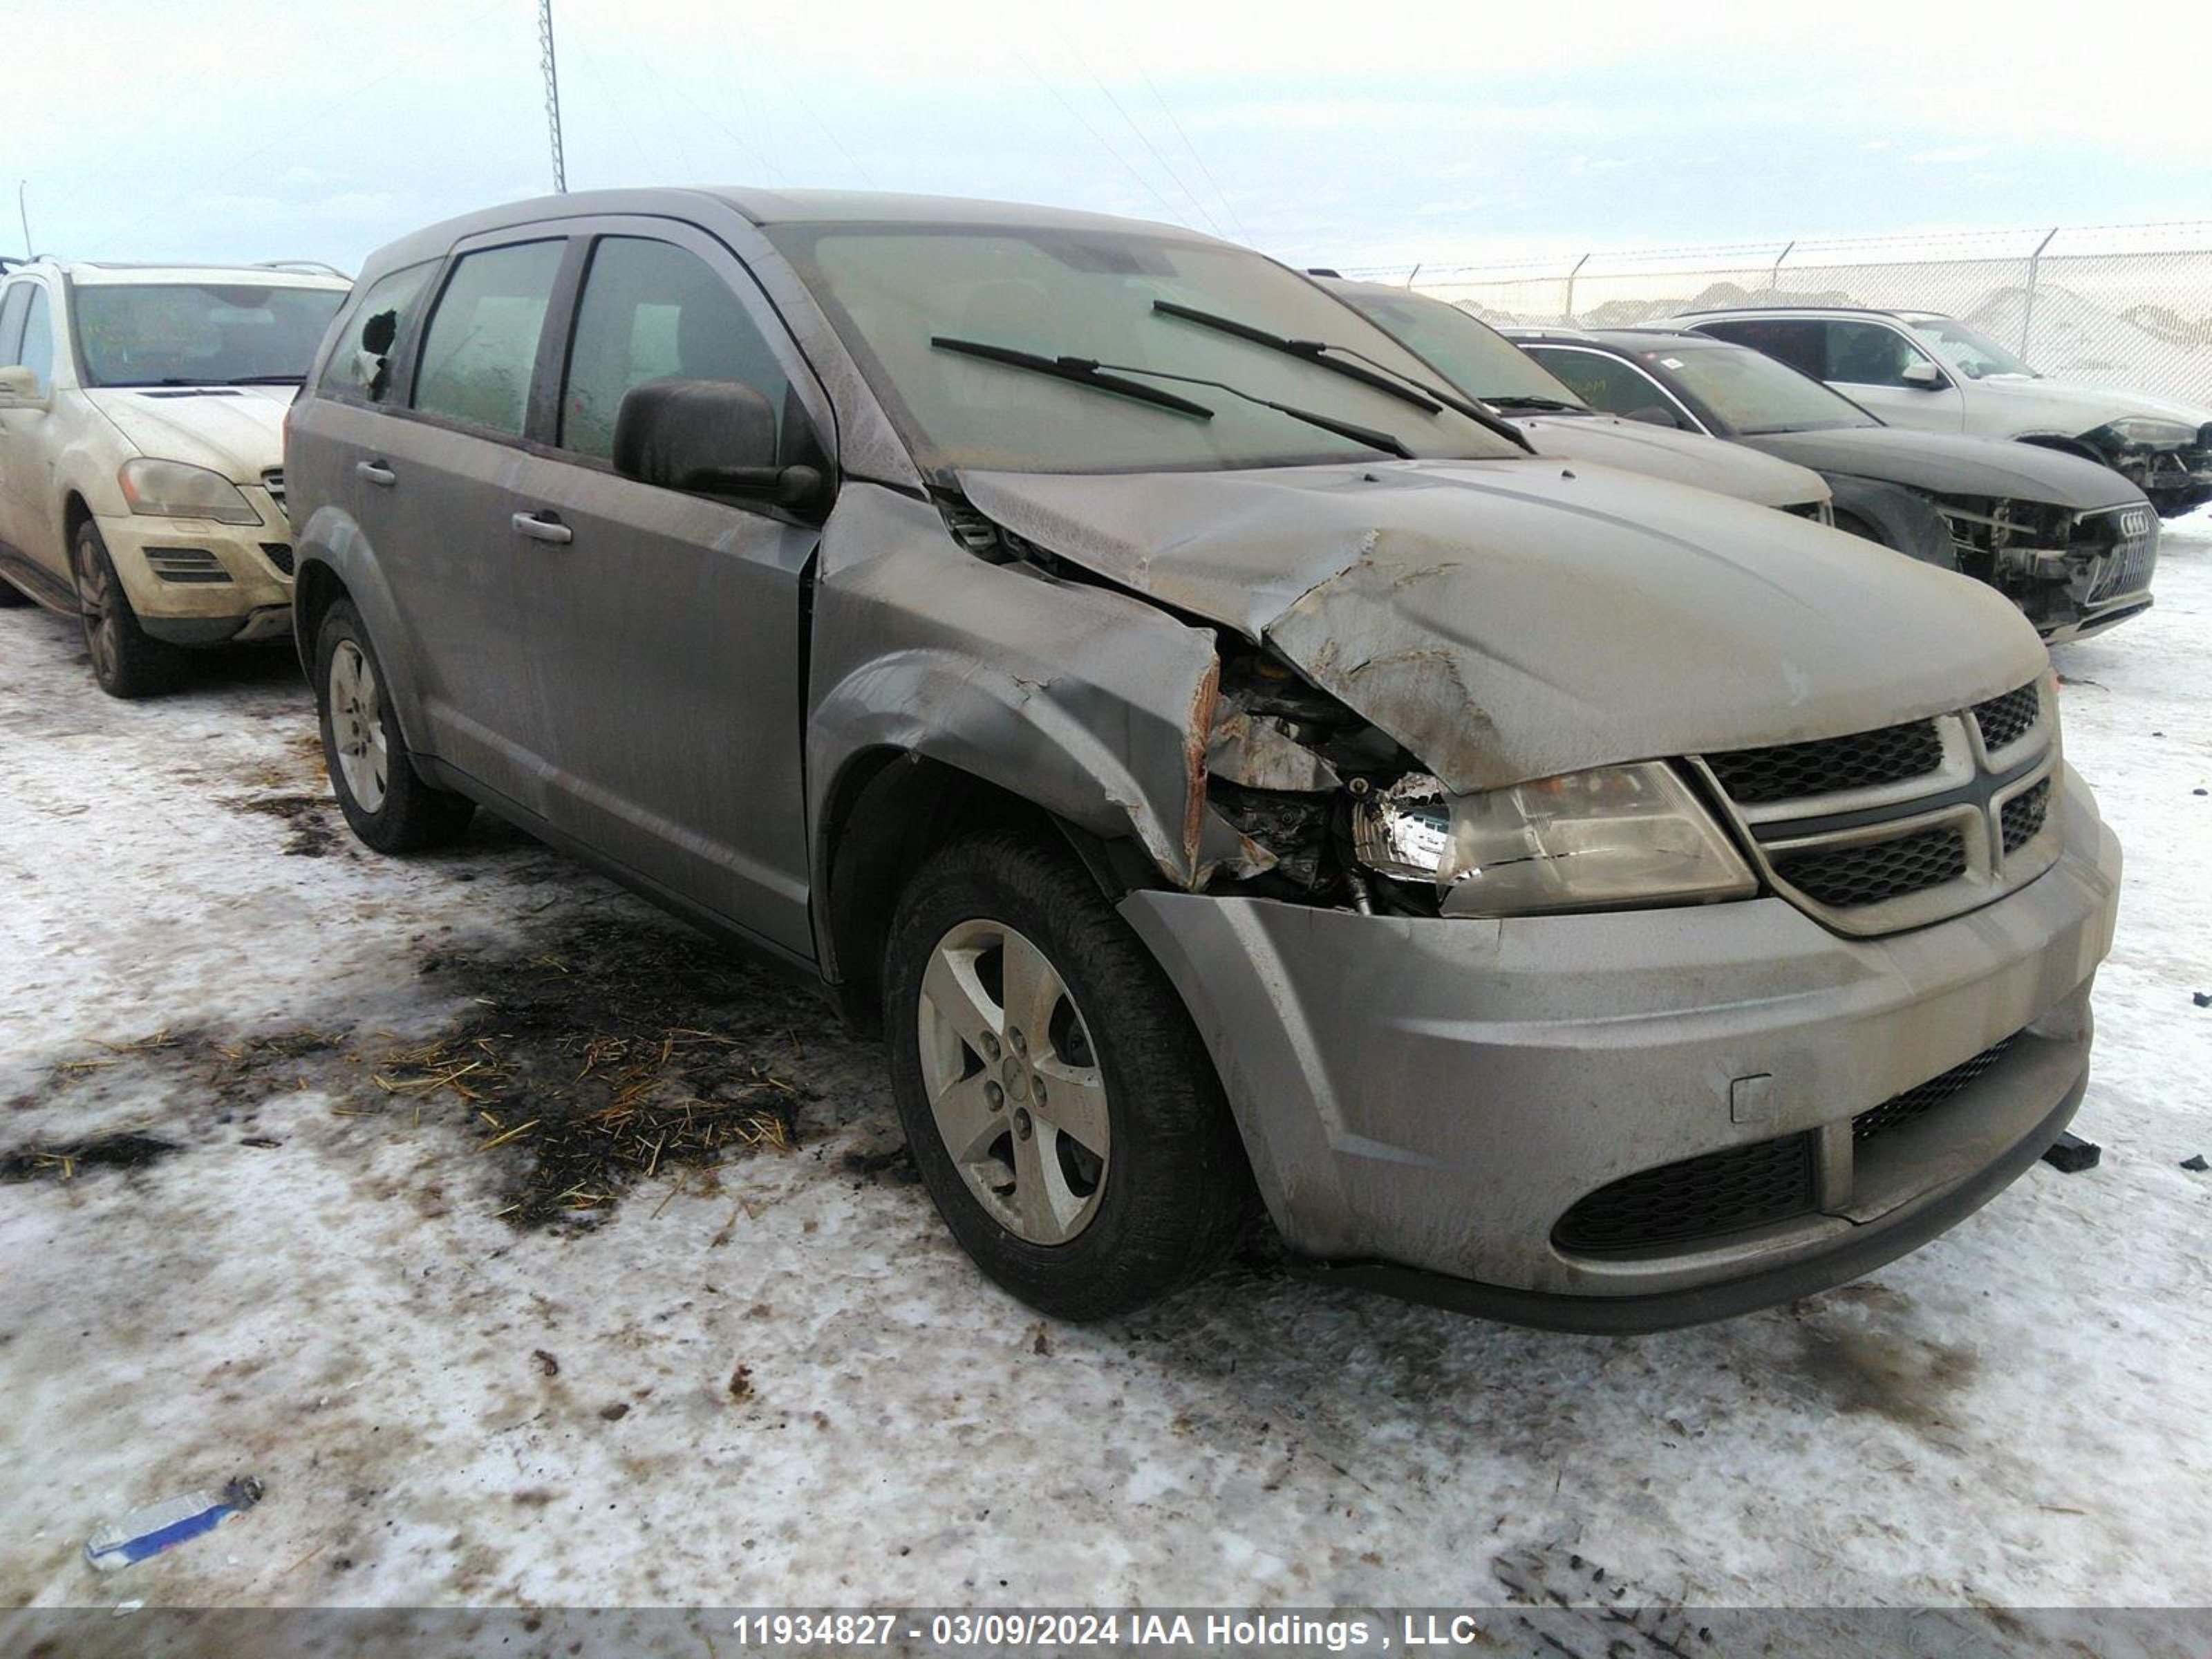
(1222, 760)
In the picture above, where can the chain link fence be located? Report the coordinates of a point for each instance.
(2128, 305)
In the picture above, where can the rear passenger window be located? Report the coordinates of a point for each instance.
(650, 311)
(1797, 342)
(483, 340)
(360, 368)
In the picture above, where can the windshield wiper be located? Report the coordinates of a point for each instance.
(1372, 436)
(1541, 405)
(1107, 377)
(1381, 376)
(265, 379)
(1082, 371)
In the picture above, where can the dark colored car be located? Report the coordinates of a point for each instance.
(1923, 369)
(1479, 361)
(2071, 543)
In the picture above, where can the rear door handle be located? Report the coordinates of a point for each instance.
(376, 472)
(543, 527)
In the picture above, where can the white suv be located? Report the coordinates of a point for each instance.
(142, 484)
(1921, 369)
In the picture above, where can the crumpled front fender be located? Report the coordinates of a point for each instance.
(1087, 703)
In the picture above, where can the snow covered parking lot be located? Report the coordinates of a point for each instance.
(275, 1204)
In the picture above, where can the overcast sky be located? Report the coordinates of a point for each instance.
(1343, 134)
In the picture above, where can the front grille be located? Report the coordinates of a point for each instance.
(2127, 567)
(2004, 719)
(1853, 873)
(273, 481)
(1790, 771)
(186, 564)
(1699, 1198)
(2023, 816)
(278, 554)
(1915, 1103)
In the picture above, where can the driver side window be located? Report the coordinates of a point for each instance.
(1608, 384)
(1870, 354)
(652, 311)
(37, 351)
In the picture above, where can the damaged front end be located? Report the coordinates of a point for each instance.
(2071, 573)
(2167, 460)
(1307, 802)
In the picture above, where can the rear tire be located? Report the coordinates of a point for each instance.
(127, 661)
(387, 803)
(1059, 1104)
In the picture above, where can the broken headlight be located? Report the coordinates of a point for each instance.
(1610, 838)
(171, 490)
(2142, 432)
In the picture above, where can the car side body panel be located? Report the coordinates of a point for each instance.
(1089, 703)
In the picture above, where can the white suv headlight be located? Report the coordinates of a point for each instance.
(1610, 838)
(170, 490)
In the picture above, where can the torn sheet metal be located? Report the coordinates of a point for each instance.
(1509, 620)
(1258, 751)
(1089, 703)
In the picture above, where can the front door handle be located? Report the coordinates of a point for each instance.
(376, 472)
(543, 527)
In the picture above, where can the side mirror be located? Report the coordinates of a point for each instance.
(707, 437)
(19, 385)
(1922, 376)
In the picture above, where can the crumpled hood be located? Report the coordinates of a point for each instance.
(1679, 457)
(1952, 465)
(2072, 411)
(1508, 620)
(238, 431)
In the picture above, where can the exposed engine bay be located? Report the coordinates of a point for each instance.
(2062, 567)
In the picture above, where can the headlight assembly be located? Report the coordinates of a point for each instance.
(2144, 431)
(171, 490)
(1610, 838)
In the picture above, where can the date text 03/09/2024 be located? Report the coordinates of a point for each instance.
(996, 1630)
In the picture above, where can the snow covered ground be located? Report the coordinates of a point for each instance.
(783, 1384)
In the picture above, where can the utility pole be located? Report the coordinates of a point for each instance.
(552, 93)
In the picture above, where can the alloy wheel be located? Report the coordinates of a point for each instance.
(357, 726)
(96, 602)
(1014, 1082)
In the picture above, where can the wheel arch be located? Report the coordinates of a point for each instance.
(886, 812)
(2064, 446)
(334, 561)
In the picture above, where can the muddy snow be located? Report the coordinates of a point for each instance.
(529, 1251)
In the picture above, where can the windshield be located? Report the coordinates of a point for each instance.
(1754, 394)
(1475, 357)
(1973, 354)
(199, 333)
(890, 290)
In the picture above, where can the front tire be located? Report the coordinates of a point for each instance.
(1060, 1105)
(127, 661)
(389, 804)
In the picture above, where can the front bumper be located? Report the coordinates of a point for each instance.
(1431, 1097)
(194, 582)
(2098, 621)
